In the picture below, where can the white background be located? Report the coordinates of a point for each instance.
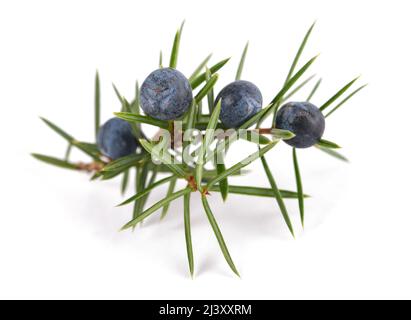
(59, 232)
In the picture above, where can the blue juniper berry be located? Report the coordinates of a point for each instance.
(166, 94)
(240, 100)
(303, 119)
(115, 139)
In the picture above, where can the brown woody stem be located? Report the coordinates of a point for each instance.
(90, 167)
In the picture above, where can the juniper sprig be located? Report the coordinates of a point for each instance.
(189, 137)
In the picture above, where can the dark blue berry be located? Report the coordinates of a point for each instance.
(166, 94)
(115, 139)
(303, 119)
(240, 100)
